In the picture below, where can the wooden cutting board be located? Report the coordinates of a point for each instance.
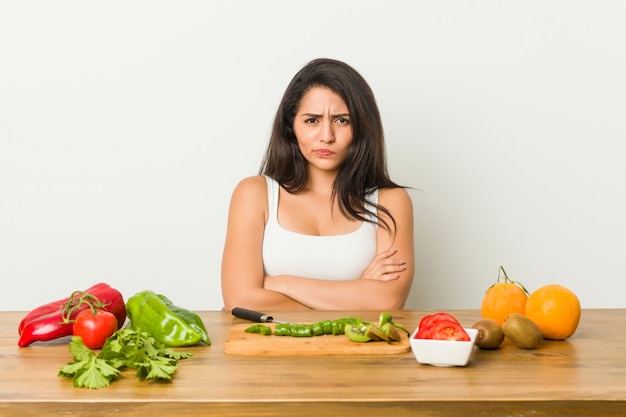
(239, 342)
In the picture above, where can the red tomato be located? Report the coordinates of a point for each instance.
(94, 329)
(448, 330)
(427, 323)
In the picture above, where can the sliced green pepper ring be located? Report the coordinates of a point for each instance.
(282, 329)
(259, 328)
(317, 329)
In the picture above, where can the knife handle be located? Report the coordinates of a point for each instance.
(246, 314)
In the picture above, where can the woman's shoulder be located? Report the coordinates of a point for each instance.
(253, 182)
(393, 194)
(254, 187)
(395, 199)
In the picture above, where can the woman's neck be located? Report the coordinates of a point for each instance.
(321, 182)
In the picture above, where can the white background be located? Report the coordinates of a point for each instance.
(124, 127)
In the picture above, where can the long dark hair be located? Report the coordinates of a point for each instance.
(365, 168)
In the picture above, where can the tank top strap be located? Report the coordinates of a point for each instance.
(272, 199)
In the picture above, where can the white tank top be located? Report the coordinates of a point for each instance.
(339, 257)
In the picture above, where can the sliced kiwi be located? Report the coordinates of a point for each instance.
(522, 331)
(490, 334)
(392, 333)
(357, 332)
(376, 334)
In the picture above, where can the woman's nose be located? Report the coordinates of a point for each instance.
(328, 133)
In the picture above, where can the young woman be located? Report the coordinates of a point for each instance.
(323, 226)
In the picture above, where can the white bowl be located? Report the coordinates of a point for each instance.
(443, 352)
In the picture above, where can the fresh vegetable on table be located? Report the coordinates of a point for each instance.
(441, 326)
(193, 319)
(127, 348)
(259, 328)
(56, 319)
(331, 327)
(354, 328)
(169, 324)
(94, 326)
(334, 327)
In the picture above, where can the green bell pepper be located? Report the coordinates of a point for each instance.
(147, 311)
(190, 317)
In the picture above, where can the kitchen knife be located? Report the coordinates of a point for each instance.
(244, 313)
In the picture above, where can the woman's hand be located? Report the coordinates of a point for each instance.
(384, 267)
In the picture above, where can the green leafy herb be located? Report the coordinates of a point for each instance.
(128, 348)
(87, 370)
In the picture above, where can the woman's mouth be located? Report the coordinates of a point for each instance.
(323, 153)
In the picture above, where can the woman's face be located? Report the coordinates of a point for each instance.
(323, 129)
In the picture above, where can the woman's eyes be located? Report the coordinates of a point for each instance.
(340, 120)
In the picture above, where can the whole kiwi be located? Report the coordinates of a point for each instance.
(522, 331)
(490, 334)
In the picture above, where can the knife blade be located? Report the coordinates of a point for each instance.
(244, 313)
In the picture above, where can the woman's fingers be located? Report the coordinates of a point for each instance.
(384, 267)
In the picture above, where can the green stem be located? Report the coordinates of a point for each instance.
(506, 279)
(76, 302)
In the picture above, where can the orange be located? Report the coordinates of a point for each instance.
(503, 298)
(555, 310)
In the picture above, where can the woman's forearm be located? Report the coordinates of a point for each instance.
(356, 294)
(262, 299)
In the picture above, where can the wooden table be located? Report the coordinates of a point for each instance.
(583, 376)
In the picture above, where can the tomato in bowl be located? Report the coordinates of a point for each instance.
(441, 340)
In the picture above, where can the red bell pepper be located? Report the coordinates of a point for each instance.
(54, 306)
(50, 321)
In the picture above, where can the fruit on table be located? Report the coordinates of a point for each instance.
(386, 330)
(503, 298)
(94, 326)
(441, 326)
(556, 311)
(522, 331)
(357, 332)
(490, 334)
